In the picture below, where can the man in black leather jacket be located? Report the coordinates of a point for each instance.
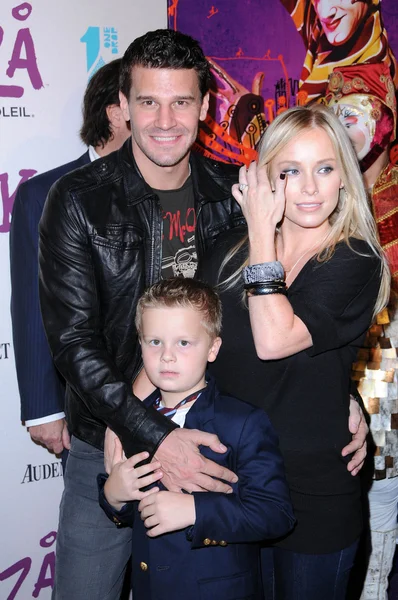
(109, 230)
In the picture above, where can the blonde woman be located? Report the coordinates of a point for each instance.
(300, 287)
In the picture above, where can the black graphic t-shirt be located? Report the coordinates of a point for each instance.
(179, 258)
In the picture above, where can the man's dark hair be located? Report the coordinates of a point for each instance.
(165, 49)
(102, 91)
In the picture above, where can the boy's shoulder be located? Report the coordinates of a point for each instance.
(232, 408)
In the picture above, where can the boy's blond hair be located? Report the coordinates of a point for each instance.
(185, 293)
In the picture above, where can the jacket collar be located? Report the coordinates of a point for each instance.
(84, 159)
(203, 409)
(210, 183)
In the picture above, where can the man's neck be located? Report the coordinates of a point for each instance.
(109, 147)
(163, 178)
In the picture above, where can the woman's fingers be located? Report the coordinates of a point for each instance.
(261, 201)
(251, 175)
(237, 194)
(243, 175)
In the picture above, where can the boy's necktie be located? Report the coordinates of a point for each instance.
(169, 412)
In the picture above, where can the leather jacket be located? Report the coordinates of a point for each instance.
(100, 246)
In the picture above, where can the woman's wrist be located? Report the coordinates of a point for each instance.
(261, 252)
(262, 245)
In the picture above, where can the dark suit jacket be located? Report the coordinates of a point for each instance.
(40, 387)
(217, 557)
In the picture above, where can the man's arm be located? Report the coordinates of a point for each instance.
(40, 385)
(72, 318)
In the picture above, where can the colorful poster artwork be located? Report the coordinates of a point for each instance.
(269, 56)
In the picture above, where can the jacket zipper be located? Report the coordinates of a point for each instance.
(151, 279)
(156, 208)
(198, 236)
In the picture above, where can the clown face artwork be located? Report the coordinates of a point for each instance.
(363, 97)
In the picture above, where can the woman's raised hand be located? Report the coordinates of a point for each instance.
(261, 204)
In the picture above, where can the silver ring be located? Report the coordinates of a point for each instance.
(243, 186)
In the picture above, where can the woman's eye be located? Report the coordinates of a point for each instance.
(290, 171)
(326, 169)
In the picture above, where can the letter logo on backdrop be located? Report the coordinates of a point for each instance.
(22, 60)
(45, 576)
(100, 43)
(23, 57)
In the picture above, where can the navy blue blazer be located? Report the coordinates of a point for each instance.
(218, 557)
(41, 388)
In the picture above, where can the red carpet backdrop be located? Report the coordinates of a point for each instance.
(48, 51)
(268, 56)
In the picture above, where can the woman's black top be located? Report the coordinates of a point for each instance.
(306, 395)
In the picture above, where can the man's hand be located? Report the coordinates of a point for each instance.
(184, 468)
(53, 435)
(359, 429)
(167, 511)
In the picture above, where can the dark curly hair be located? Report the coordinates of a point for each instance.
(165, 49)
(102, 91)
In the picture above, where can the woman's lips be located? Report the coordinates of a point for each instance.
(332, 24)
(309, 206)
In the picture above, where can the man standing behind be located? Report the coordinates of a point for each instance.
(104, 231)
(41, 388)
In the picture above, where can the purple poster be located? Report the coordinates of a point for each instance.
(270, 55)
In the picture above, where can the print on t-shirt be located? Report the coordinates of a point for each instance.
(179, 257)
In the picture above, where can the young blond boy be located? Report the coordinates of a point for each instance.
(201, 545)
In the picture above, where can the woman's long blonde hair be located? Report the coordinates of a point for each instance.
(353, 216)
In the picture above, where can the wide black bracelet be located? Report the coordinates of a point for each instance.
(265, 290)
(266, 283)
(278, 285)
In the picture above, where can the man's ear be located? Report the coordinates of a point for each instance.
(124, 106)
(215, 347)
(205, 107)
(115, 115)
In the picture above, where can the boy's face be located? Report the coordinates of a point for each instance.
(175, 349)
